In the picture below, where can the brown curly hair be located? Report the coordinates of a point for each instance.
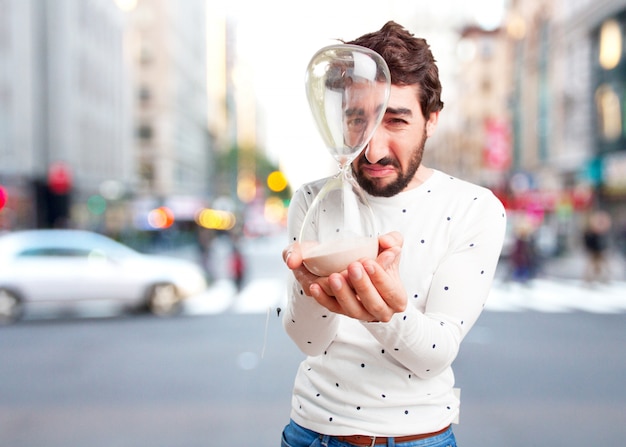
(410, 62)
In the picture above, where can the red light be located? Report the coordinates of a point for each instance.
(59, 178)
(4, 197)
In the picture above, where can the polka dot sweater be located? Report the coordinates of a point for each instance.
(395, 378)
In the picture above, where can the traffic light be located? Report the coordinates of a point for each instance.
(53, 196)
(59, 178)
(59, 189)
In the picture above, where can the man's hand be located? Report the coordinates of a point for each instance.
(368, 290)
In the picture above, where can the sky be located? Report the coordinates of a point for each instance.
(277, 38)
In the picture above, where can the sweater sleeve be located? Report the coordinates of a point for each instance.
(428, 342)
(311, 326)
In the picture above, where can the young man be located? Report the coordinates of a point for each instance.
(381, 336)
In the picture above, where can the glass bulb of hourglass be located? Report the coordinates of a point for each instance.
(347, 88)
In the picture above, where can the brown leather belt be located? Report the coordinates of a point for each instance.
(377, 440)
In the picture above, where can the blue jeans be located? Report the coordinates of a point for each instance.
(296, 436)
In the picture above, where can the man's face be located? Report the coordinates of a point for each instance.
(388, 164)
(362, 107)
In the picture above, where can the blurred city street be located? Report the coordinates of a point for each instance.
(557, 288)
(542, 367)
(183, 128)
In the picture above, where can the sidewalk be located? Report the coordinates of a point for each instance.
(572, 266)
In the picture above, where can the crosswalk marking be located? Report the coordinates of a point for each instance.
(258, 296)
(265, 294)
(544, 295)
(540, 295)
(216, 299)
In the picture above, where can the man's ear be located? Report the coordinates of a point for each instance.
(431, 124)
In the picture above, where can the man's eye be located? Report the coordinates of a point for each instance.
(396, 121)
(356, 124)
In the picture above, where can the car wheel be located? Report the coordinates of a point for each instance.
(163, 300)
(10, 306)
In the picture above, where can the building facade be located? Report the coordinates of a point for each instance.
(173, 146)
(569, 105)
(63, 104)
(102, 110)
(541, 113)
(608, 86)
(64, 108)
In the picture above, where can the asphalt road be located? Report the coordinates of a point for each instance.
(527, 379)
(188, 381)
(543, 379)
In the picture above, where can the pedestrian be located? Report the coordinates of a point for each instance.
(524, 257)
(380, 337)
(596, 243)
(237, 266)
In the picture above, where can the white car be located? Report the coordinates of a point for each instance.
(76, 266)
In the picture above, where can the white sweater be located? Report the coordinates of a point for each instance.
(395, 378)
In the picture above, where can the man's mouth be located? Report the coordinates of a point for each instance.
(377, 171)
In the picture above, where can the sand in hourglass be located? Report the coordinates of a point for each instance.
(335, 256)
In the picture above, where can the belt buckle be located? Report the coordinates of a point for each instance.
(373, 438)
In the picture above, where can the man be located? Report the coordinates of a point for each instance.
(380, 337)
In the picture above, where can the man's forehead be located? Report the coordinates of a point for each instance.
(404, 98)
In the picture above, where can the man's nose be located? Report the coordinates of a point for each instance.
(376, 148)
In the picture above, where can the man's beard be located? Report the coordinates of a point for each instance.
(372, 186)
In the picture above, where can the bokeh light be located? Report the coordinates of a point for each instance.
(275, 210)
(126, 5)
(276, 181)
(161, 218)
(216, 219)
(96, 205)
(610, 45)
(246, 186)
(3, 197)
(112, 189)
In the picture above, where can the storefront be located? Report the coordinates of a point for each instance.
(609, 87)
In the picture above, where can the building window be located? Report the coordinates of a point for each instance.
(145, 95)
(608, 106)
(486, 86)
(610, 44)
(145, 132)
(146, 172)
(146, 54)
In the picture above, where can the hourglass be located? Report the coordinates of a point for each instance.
(347, 88)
